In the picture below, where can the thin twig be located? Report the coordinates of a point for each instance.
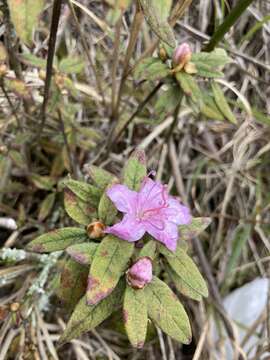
(115, 66)
(49, 68)
(135, 28)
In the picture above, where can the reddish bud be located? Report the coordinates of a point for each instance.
(182, 55)
(140, 273)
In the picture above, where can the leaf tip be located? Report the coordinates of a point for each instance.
(139, 155)
(39, 248)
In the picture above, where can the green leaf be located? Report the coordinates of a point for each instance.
(211, 112)
(73, 282)
(135, 316)
(197, 98)
(86, 318)
(109, 263)
(86, 192)
(135, 170)
(83, 253)
(106, 210)
(46, 206)
(156, 13)
(209, 107)
(185, 268)
(71, 65)
(42, 182)
(216, 59)
(241, 236)
(166, 311)
(149, 249)
(197, 226)
(33, 60)
(56, 240)
(222, 103)
(167, 101)
(151, 69)
(189, 86)
(102, 178)
(80, 211)
(24, 15)
(17, 158)
(207, 71)
(183, 287)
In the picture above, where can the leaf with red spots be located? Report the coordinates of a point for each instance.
(83, 253)
(56, 240)
(135, 316)
(86, 318)
(109, 263)
(102, 178)
(165, 310)
(80, 211)
(135, 170)
(85, 192)
(73, 282)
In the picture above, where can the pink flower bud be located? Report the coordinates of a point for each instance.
(182, 55)
(140, 273)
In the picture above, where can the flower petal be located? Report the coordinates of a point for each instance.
(177, 213)
(124, 199)
(152, 195)
(128, 229)
(168, 236)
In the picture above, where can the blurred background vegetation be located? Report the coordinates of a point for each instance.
(90, 108)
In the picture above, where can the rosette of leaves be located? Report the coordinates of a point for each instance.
(105, 261)
(199, 88)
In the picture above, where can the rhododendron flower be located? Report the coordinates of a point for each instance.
(150, 210)
(140, 273)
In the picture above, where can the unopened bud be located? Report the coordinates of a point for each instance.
(14, 307)
(140, 273)
(182, 55)
(162, 54)
(42, 74)
(59, 80)
(95, 229)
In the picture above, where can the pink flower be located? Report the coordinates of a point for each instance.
(182, 55)
(150, 210)
(140, 273)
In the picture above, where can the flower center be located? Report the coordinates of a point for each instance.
(145, 214)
